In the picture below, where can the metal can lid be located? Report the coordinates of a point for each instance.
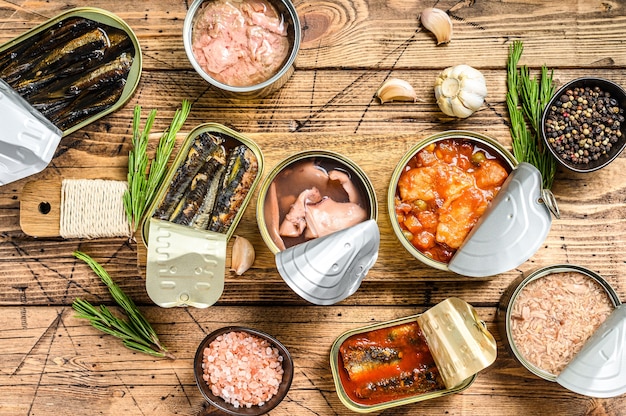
(328, 269)
(512, 228)
(185, 266)
(28, 140)
(599, 368)
(458, 340)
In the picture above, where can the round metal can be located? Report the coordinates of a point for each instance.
(299, 166)
(492, 146)
(506, 313)
(288, 12)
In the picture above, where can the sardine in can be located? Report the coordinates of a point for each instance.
(70, 71)
(430, 355)
(196, 212)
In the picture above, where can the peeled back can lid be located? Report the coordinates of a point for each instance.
(328, 269)
(27, 141)
(599, 368)
(458, 340)
(512, 228)
(185, 266)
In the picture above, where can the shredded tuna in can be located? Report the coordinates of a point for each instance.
(553, 316)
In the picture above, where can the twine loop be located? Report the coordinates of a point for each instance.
(93, 208)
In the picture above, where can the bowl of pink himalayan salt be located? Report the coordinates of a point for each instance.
(243, 371)
(244, 48)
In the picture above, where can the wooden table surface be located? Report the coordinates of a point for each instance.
(54, 363)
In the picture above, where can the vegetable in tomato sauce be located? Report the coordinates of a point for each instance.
(442, 192)
(387, 364)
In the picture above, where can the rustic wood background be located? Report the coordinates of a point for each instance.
(53, 363)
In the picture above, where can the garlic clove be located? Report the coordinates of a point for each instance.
(460, 109)
(395, 89)
(438, 22)
(242, 255)
(471, 100)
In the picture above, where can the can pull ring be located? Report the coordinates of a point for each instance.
(548, 199)
(482, 327)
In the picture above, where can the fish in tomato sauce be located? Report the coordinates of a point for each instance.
(387, 364)
(442, 192)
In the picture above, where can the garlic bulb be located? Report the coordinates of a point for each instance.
(395, 89)
(242, 255)
(438, 22)
(460, 90)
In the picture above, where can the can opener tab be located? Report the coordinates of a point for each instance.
(177, 276)
(458, 340)
(599, 368)
(28, 140)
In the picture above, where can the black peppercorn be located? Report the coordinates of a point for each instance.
(584, 124)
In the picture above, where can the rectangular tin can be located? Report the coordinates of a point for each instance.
(48, 94)
(100, 16)
(186, 265)
(456, 338)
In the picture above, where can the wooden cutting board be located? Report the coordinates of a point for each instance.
(40, 201)
(40, 208)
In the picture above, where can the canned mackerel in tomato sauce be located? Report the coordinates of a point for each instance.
(411, 359)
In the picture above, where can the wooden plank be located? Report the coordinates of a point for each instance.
(592, 222)
(40, 208)
(386, 35)
(55, 363)
(59, 360)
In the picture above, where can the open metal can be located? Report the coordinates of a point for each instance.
(59, 77)
(565, 323)
(227, 70)
(443, 210)
(317, 213)
(424, 356)
(196, 212)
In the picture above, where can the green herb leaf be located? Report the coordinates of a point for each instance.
(136, 333)
(145, 177)
(526, 99)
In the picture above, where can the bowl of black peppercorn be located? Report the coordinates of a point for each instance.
(583, 124)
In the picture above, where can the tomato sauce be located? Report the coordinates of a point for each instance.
(387, 364)
(442, 192)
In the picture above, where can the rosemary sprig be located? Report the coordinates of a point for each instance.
(136, 334)
(145, 177)
(526, 99)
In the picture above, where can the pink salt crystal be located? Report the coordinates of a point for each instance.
(244, 369)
